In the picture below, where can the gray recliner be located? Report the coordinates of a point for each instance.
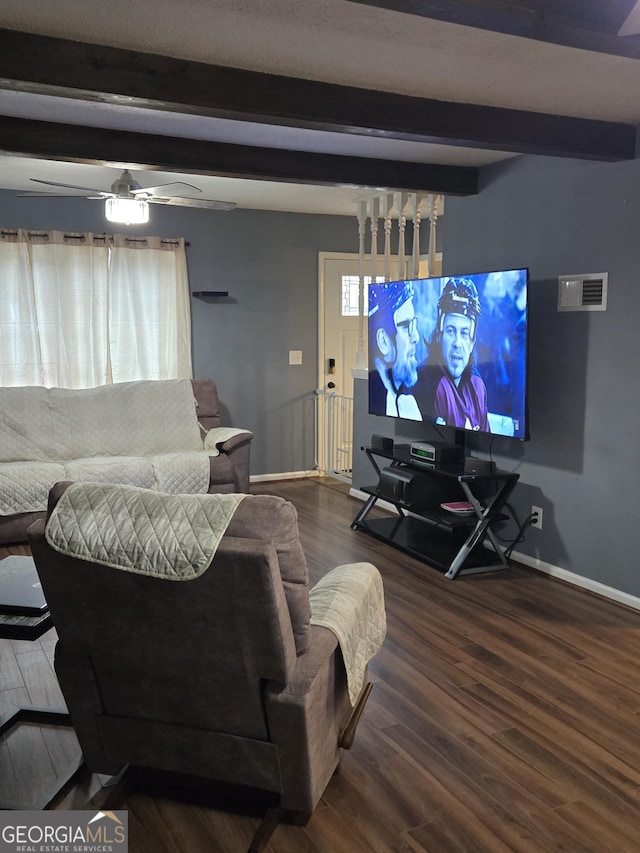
(220, 675)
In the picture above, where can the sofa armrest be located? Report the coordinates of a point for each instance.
(225, 439)
(235, 441)
(229, 451)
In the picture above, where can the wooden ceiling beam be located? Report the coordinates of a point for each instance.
(46, 65)
(48, 140)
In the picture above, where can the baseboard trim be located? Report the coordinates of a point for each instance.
(285, 475)
(572, 578)
(578, 580)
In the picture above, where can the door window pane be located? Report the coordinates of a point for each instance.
(350, 294)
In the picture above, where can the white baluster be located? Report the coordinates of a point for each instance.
(387, 207)
(361, 361)
(433, 220)
(374, 212)
(415, 202)
(400, 201)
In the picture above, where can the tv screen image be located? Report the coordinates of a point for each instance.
(451, 351)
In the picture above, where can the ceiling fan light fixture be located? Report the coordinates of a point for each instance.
(129, 211)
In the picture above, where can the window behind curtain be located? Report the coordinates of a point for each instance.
(80, 310)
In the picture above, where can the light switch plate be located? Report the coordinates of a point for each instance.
(295, 356)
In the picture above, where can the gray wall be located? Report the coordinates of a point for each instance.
(268, 262)
(561, 217)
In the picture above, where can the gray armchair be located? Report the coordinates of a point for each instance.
(213, 672)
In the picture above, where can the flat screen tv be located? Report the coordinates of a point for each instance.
(451, 351)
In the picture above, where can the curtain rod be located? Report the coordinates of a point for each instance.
(45, 236)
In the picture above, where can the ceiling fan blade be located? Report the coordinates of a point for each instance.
(631, 26)
(63, 195)
(100, 193)
(152, 190)
(208, 204)
(46, 195)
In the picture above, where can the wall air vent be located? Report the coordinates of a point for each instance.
(583, 292)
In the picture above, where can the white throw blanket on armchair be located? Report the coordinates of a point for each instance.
(349, 601)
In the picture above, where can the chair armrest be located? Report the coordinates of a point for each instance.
(306, 719)
(80, 688)
(309, 666)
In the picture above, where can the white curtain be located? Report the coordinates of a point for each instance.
(80, 310)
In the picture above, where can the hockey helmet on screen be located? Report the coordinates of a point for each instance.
(459, 296)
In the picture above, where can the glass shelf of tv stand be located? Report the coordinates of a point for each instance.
(454, 544)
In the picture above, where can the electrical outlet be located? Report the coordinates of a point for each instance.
(537, 521)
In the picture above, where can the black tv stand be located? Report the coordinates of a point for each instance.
(449, 542)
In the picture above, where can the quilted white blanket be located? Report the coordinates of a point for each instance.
(140, 433)
(350, 602)
(173, 537)
(125, 419)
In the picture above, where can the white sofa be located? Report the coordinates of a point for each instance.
(163, 435)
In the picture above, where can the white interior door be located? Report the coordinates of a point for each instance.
(339, 331)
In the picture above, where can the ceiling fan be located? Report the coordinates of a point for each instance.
(127, 202)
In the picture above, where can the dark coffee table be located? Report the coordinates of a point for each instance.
(14, 627)
(26, 627)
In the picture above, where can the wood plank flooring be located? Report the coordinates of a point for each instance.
(505, 716)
